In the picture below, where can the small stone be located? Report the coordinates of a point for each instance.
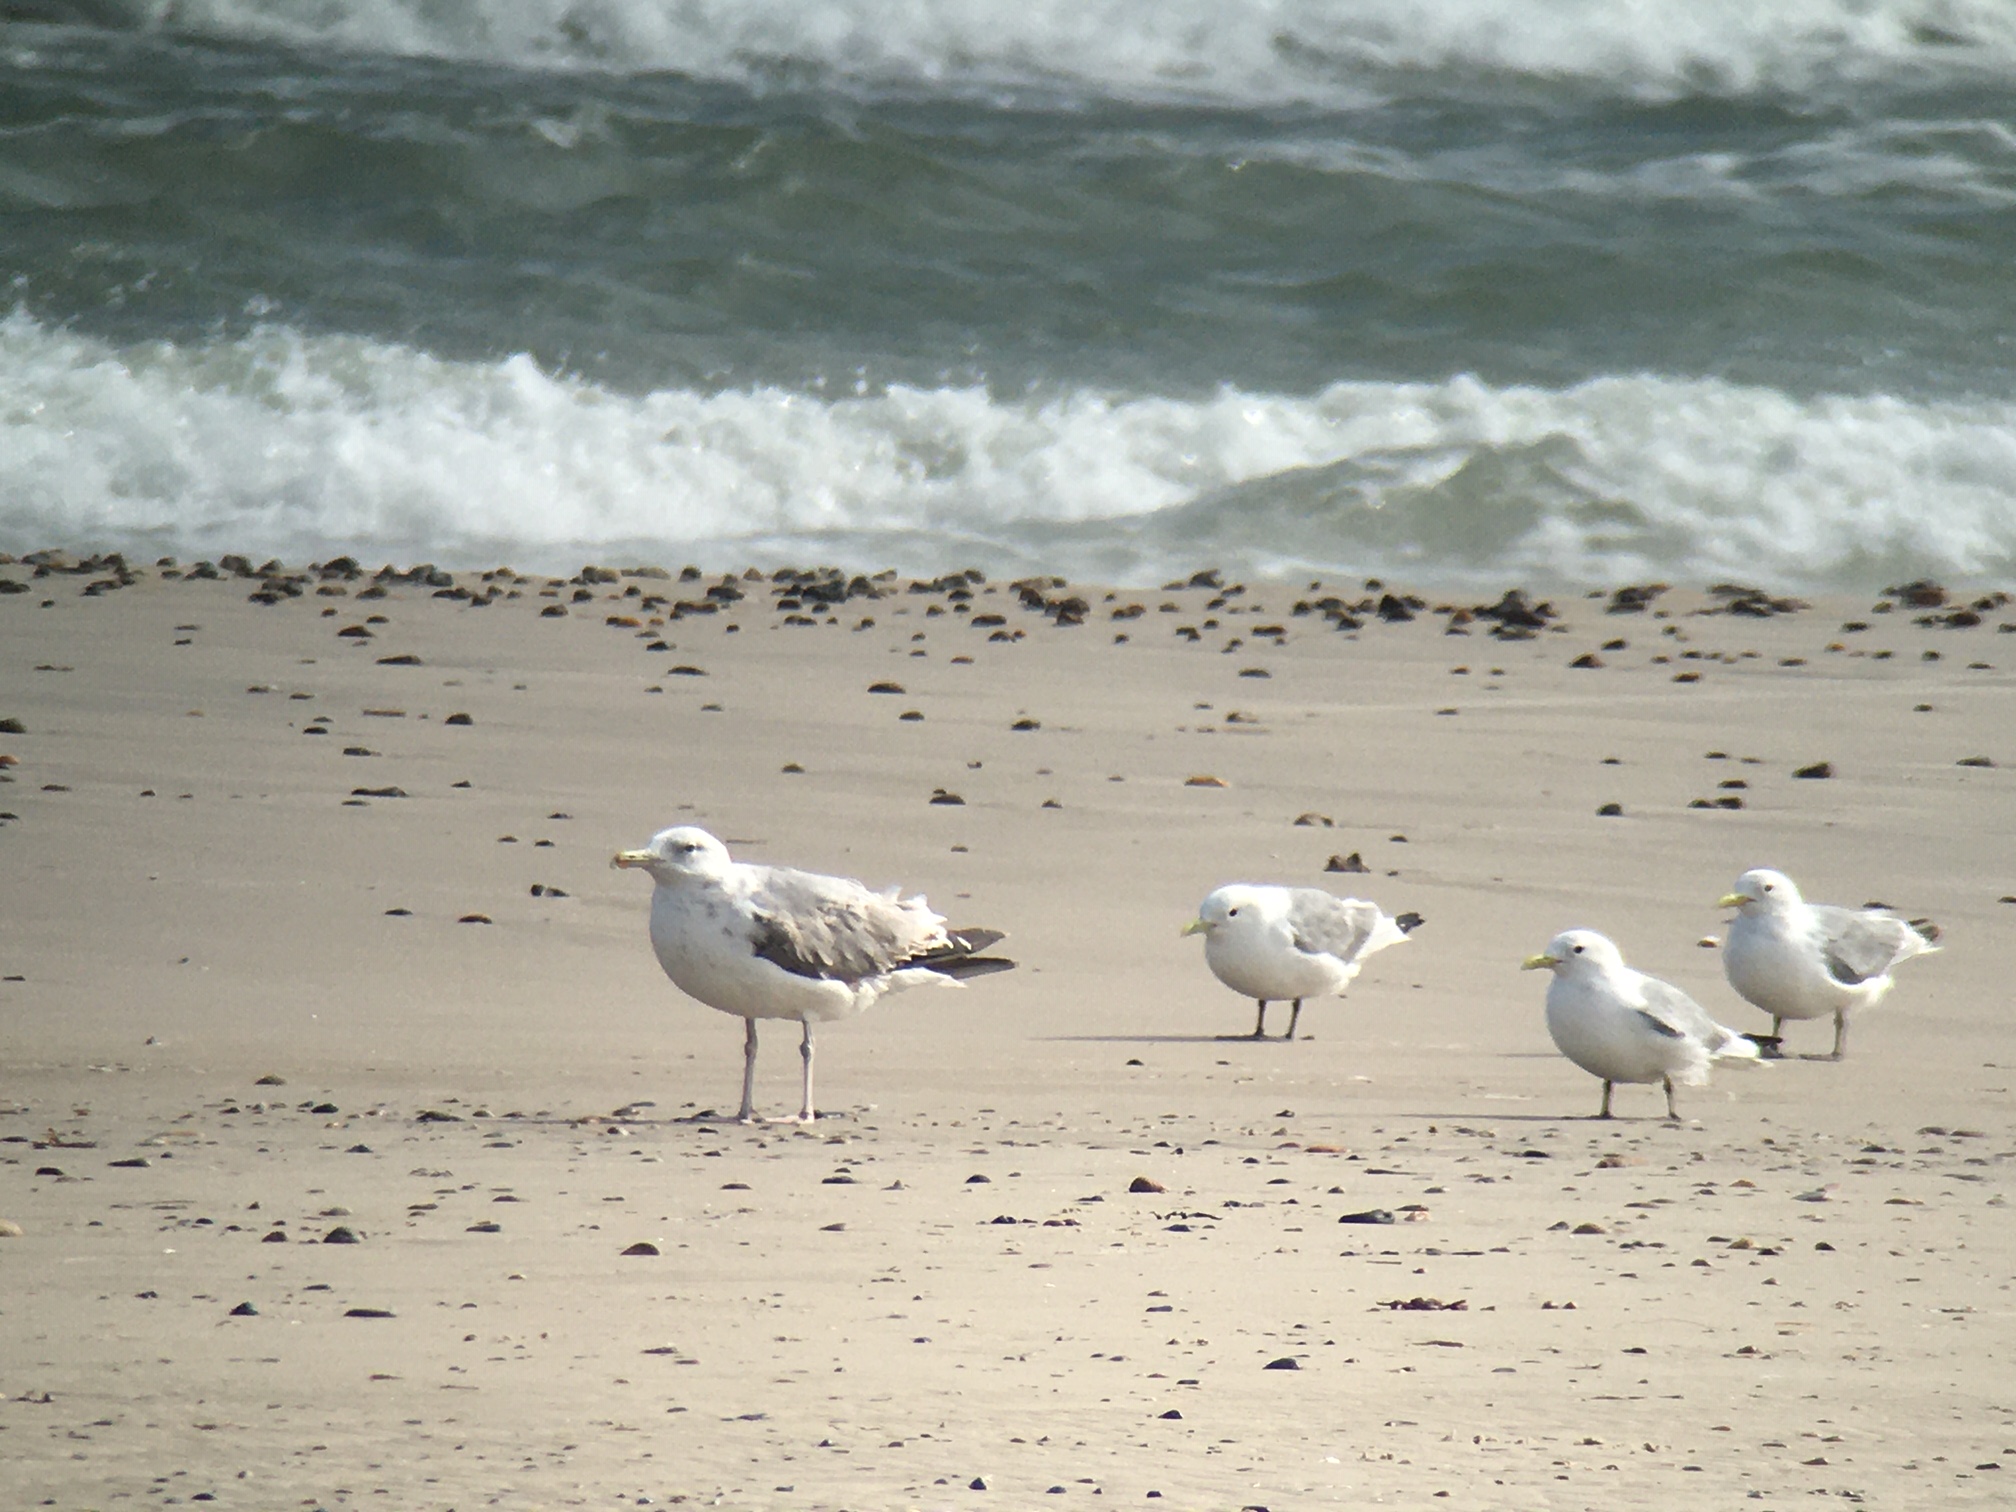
(1286, 1362)
(1370, 1215)
(368, 1312)
(1588, 1228)
(642, 1247)
(244, 1310)
(1818, 770)
(340, 1235)
(1205, 780)
(9, 1229)
(885, 687)
(1351, 863)
(458, 719)
(1610, 811)
(1145, 1184)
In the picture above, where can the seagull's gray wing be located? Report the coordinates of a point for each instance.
(1858, 945)
(831, 927)
(1677, 1015)
(1322, 924)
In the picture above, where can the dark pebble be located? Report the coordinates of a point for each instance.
(340, 1235)
(1286, 1362)
(1370, 1215)
(642, 1247)
(244, 1310)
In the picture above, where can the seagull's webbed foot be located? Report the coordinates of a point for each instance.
(1259, 1026)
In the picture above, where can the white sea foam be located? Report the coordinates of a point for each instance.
(300, 446)
(1238, 51)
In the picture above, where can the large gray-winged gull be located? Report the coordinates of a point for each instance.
(1284, 944)
(1624, 1026)
(1800, 960)
(769, 942)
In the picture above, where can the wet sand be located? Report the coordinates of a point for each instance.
(242, 1010)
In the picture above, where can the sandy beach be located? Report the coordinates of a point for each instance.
(309, 935)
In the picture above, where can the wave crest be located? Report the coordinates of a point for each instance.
(1245, 52)
(290, 445)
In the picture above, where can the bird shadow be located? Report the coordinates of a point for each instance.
(1173, 1039)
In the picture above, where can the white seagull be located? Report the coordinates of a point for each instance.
(1277, 944)
(1800, 960)
(770, 942)
(1624, 1026)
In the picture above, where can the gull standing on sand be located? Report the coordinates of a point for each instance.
(1800, 960)
(1278, 944)
(770, 942)
(1624, 1026)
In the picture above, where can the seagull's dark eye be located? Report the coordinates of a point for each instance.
(1767, 887)
(1231, 913)
(1578, 949)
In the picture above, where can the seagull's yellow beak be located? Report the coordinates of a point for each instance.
(632, 858)
(1195, 926)
(1731, 900)
(1539, 962)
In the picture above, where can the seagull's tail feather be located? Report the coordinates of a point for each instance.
(1740, 1047)
(959, 957)
(969, 966)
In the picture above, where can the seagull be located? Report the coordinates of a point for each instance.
(1275, 943)
(770, 942)
(1624, 1026)
(1800, 960)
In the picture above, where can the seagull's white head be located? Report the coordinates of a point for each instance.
(1576, 952)
(1228, 910)
(1760, 892)
(678, 854)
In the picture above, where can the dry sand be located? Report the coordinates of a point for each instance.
(947, 1295)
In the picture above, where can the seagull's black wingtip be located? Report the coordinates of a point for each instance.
(1409, 922)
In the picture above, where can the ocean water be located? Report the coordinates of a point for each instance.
(1446, 290)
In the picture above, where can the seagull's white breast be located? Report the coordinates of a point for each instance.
(1596, 1024)
(704, 944)
(1776, 962)
(1256, 955)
